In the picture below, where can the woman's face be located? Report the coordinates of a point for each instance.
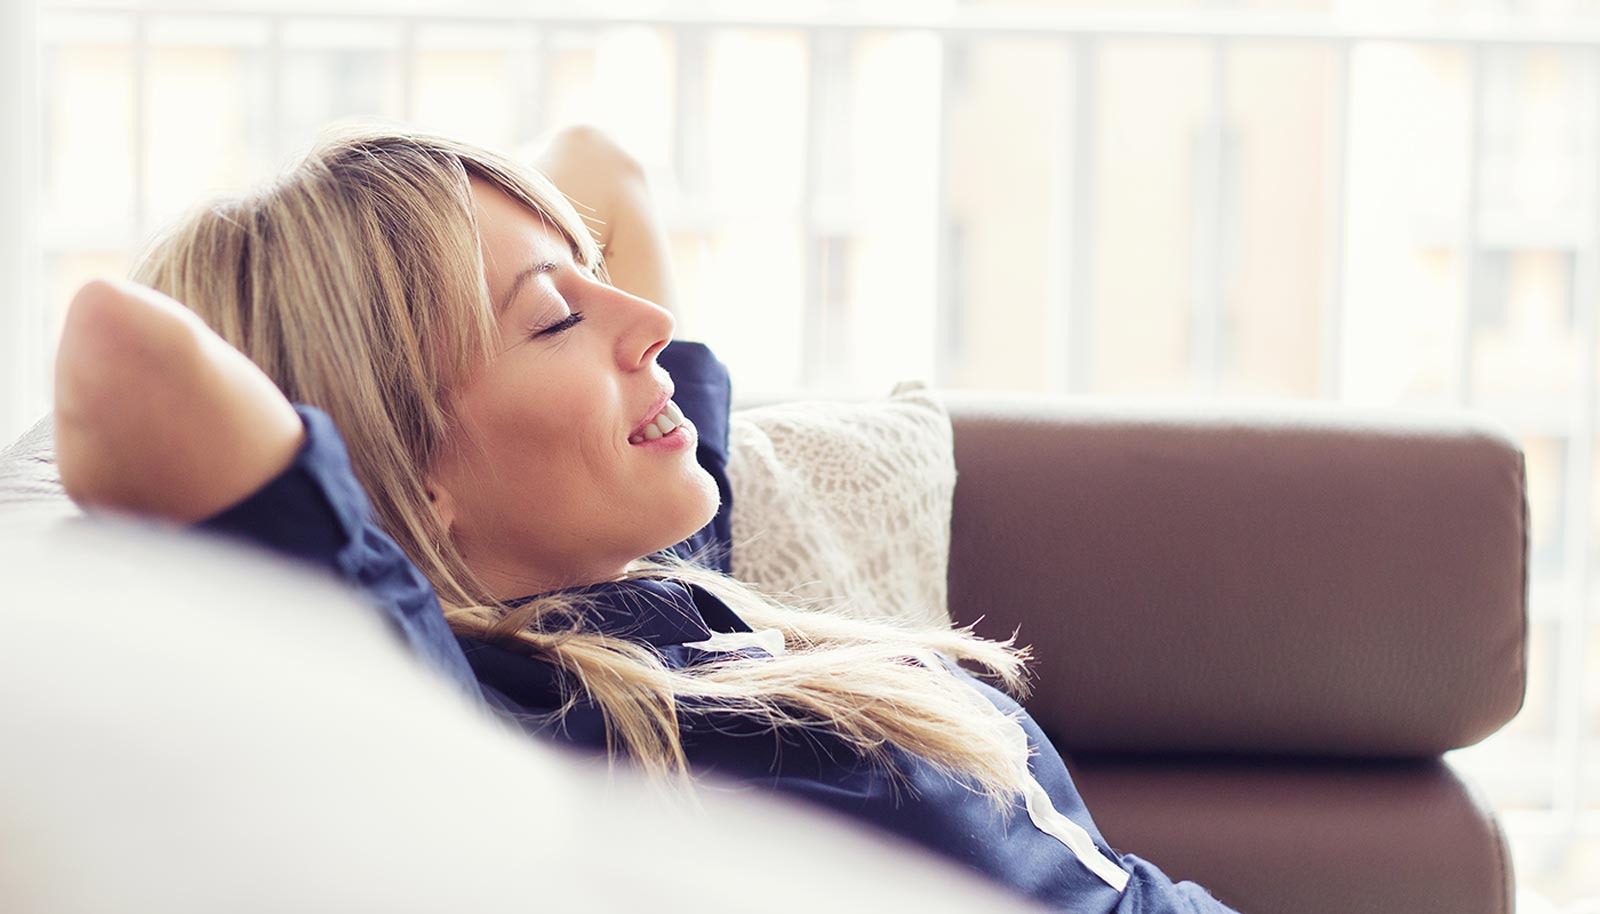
(539, 483)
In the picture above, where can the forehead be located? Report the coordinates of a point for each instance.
(513, 235)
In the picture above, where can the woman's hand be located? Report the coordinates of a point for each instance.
(157, 415)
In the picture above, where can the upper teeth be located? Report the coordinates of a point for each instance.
(669, 419)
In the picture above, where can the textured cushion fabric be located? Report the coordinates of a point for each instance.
(845, 505)
(29, 483)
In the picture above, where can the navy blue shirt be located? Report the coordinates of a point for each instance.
(1048, 849)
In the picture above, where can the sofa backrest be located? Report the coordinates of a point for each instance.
(1283, 578)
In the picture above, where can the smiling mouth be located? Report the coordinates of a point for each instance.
(668, 421)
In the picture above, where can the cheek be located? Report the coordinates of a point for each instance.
(594, 463)
(587, 473)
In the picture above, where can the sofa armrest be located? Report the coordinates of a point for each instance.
(185, 714)
(1285, 578)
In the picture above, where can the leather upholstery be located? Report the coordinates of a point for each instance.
(1306, 836)
(1303, 579)
(1257, 628)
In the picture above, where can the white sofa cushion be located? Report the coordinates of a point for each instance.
(191, 726)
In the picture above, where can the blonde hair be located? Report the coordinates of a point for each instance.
(356, 282)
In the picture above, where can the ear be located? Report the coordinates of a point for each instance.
(444, 506)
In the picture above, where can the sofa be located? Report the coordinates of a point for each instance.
(1258, 626)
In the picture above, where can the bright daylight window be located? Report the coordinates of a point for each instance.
(1115, 204)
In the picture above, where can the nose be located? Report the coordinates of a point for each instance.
(646, 330)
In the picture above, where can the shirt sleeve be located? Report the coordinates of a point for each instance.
(703, 389)
(316, 511)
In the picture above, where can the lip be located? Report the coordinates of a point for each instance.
(655, 410)
(683, 436)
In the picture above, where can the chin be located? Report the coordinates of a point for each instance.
(692, 519)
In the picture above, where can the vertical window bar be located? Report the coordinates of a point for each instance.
(141, 117)
(1331, 336)
(1073, 216)
(690, 128)
(1224, 317)
(276, 143)
(408, 70)
(22, 324)
(689, 113)
(1471, 226)
(947, 274)
(532, 88)
(1210, 220)
(822, 353)
(818, 62)
(838, 227)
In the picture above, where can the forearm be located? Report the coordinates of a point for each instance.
(157, 415)
(609, 189)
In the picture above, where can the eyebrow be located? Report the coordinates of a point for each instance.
(522, 277)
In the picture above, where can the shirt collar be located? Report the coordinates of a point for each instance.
(657, 612)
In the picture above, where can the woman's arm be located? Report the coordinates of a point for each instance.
(609, 188)
(157, 415)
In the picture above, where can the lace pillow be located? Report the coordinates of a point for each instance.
(845, 507)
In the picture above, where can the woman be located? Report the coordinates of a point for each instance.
(535, 494)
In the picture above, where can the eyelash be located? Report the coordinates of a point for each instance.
(563, 325)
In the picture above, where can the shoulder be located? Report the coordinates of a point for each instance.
(702, 386)
(694, 359)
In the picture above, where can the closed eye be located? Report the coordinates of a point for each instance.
(563, 325)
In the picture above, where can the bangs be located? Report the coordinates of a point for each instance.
(528, 186)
